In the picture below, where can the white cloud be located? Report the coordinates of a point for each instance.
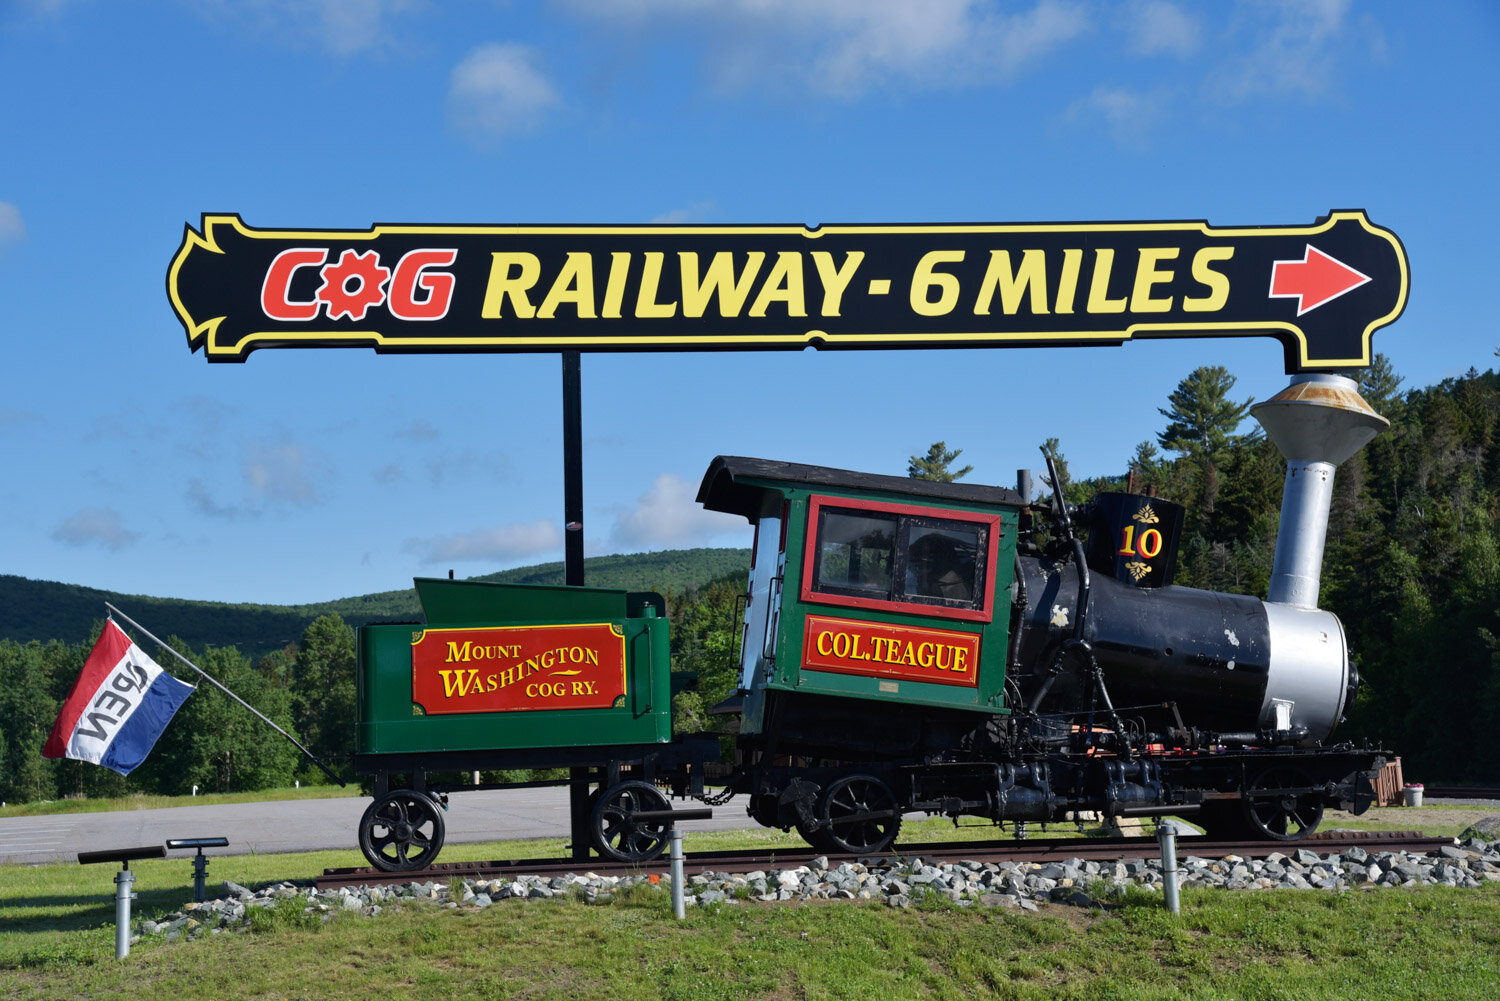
(207, 416)
(341, 27)
(459, 465)
(1131, 117)
(45, 8)
(1157, 26)
(10, 417)
(696, 212)
(846, 47)
(498, 90)
(12, 228)
(497, 545)
(95, 526)
(204, 502)
(1295, 52)
(352, 25)
(667, 516)
(284, 471)
(420, 430)
(274, 472)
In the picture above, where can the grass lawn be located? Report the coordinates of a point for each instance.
(57, 941)
(1385, 944)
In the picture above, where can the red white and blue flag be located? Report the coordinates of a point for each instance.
(117, 708)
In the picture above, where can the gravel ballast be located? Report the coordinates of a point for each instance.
(1469, 863)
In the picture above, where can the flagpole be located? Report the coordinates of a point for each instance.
(213, 681)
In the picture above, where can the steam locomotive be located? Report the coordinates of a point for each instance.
(906, 646)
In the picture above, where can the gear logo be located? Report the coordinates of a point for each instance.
(415, 290)
(353, 285)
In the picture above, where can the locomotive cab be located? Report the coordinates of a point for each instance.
(882, 590)
(876, 627)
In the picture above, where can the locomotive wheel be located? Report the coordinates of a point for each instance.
(857, 814)
(816, 836)
(1275, 810)
(401, 831)
(620, 836)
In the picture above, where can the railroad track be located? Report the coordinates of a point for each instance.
(1463, 792)
(1035, 850)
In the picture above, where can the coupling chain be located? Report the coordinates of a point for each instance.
(719, 798)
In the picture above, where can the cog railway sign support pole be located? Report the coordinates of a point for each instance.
(1321, 290)
(572, 411)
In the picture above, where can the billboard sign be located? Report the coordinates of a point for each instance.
(1321, 290)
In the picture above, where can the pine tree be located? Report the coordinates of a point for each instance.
(1204, 425)
(936, 464)
(1204, 422)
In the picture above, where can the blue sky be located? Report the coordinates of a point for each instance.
(303, 475)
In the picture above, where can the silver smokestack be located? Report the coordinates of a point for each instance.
(1318, 422)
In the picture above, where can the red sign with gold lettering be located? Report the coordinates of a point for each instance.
(878, 649)
(509, 668)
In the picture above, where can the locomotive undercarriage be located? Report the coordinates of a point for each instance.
(856, 806)
(1009, 770)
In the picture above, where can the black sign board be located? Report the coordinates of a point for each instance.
(1321, 290)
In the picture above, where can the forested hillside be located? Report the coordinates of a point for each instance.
(45, 610)
(1412, 567)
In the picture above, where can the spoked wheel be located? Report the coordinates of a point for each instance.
(617, 834)
(857, 814)
(401, 831)
(1283, 804)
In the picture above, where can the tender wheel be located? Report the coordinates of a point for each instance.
(1280, 806)
(401, 831)
(858, 814)
(620, 836)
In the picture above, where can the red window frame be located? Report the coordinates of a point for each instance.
(983, 613)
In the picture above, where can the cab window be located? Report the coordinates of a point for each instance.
(900, 557)
(856, 552)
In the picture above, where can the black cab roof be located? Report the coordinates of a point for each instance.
(733, 484)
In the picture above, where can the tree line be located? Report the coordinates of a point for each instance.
(212, 744)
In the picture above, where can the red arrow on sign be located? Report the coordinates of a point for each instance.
(1314, 280)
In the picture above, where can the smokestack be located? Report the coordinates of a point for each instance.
(1318, 422)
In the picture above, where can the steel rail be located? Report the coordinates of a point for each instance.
(1036, 850)
(1463, 792)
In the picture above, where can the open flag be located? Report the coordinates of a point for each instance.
(117, 708)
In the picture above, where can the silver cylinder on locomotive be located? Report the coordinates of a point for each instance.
(1273, 672)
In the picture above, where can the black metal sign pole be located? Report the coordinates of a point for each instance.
(572, 408)
(572, 393)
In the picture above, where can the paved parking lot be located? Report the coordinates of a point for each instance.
(301, 825)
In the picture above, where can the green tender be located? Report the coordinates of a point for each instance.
(389, 722)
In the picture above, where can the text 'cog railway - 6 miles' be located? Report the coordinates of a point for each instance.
(1321, 290)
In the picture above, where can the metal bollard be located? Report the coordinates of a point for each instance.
(124, 879)
(679, 904)
(200, 862)
(1166, 837)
